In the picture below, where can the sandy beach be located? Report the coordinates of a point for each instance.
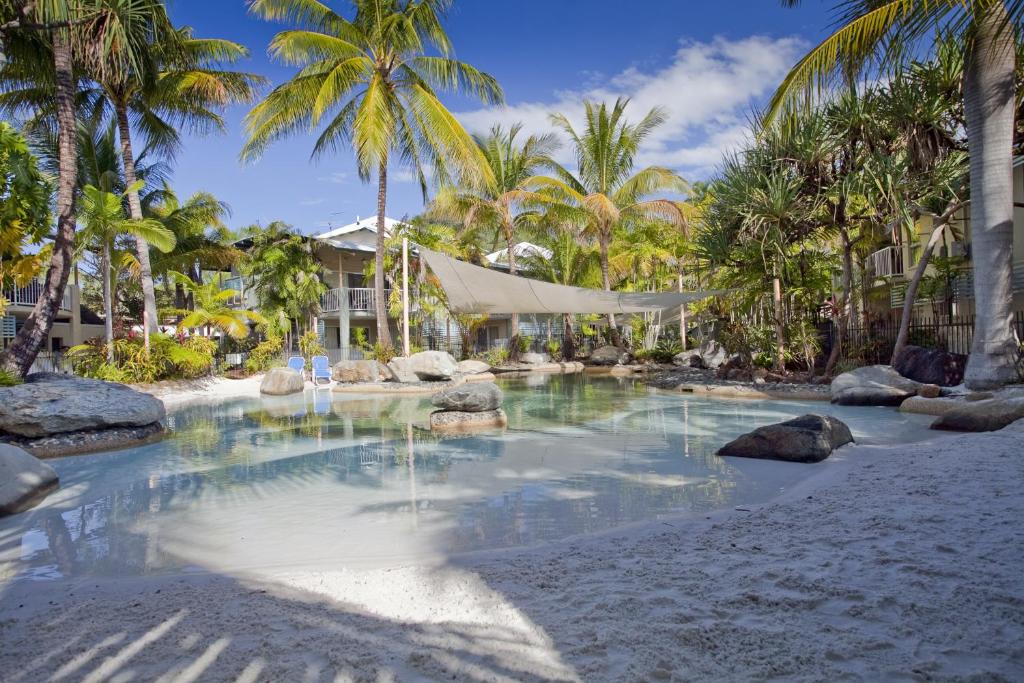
(893, 563)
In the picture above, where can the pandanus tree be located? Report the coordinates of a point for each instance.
(889, 29)
(372, 80)
(604, 190)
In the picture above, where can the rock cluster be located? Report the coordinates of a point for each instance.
(609, 355)
(709, 355)
(809, 438)
(468, 407)
(873, 385)
(24, 480)
(986, 415)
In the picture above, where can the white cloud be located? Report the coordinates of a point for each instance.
(312, 202)
(708, 90)
(337, 177)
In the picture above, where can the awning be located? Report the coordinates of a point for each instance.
(472, 289)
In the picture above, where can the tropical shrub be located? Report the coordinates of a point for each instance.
(8, 378)
(168, 358)
(804, 342)
(496, 356)
(309, 346)
(524, 342)
(553, 347)
(382, 353)
(265, 354)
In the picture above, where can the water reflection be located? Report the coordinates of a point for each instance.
(327, 480)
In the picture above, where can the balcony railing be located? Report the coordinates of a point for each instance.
(887, 262)
(360, 299)
(30, 293)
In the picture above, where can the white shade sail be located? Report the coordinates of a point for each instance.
(472, 289)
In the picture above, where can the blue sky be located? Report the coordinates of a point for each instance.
(708, 63)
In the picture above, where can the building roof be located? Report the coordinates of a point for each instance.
(369, 223)
(522, 249)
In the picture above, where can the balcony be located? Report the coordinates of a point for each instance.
(360, 299)
(29, 294)
(886, 262)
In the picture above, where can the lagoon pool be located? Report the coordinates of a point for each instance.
(328, 480)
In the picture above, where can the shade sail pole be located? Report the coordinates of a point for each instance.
(405, 297)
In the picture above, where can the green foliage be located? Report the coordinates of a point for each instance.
(496, 357)
(24, 209)
(805, 342)
(284, 271)
(309, 346)
(382, 353)
(8, 378)
(553, 347)
(168, 358)
(524, 342)
(265, 355)
(360, 338)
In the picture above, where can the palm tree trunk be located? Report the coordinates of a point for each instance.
(30, 339)
(568, 340)
(682, 314)
(780, 330)
(613, 332)
(845, 304)
(135, 209)
(379, 303)
(513, 323)
(108, 302)
(989, 95)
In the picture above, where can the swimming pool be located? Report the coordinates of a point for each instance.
(336, 480)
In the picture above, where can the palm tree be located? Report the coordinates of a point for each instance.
(212, 309)
(373, 81)
(163, 78)
(502, 206)
(868, 28)
(604, 191)
(103, 216)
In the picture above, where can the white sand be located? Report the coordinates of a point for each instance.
(898, 563)
(206, 389)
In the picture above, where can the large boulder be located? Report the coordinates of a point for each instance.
(809, 438)
(282, 381)
(24, 480)
(470, 398)
(401, 370)
(53, 406)
(433, 366)
(712, 354)
(982, 416)
(609, 355)
(458, 421)
(472, 367)
(361, 371)
(532, 358)
(931, 366)
(688, 359)
(872, 385)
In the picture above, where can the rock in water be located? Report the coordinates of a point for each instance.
(534, 358)
(458, 421)
(470, 398)
(872, 385)
(24, 480)
(472, 367)
(609, 355)
(809, 438)
(433, 366)
(361, 371)
(931, 366)
(982, 416)
(70, 404)
(282, 381)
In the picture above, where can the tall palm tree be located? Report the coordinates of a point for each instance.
(103, 217)
(372, 81)
(162, 77)
(604, 190)
(868, 28)
(502, 206)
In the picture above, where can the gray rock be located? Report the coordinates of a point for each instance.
(24, 480)
(931, 366)
(982, 416)
(472, 367)
(51, 407)
(809, 438)
(433, 366)
(361, 371)
(46, 376)
(401, 370)
(534, 358)
(872, 385)
(688, 359)
(475, 397)
(457, 421)
(282, 381)
(712, 354)
(609, 355)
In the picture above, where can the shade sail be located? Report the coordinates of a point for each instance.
(472, 289)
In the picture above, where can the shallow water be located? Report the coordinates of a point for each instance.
(329, 481)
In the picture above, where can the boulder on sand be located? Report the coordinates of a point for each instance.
(282, 381)
(609, 355)
(433, 366)
(809, 438)
(532, 358)
(459, 421)
(982, 416)
(470, 398)
(24, 480)
(931, 366)
(401, 370)
(872, 385)
(472, 367)
(69, 404)
(360, 371)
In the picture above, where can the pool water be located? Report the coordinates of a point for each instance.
(328, 480)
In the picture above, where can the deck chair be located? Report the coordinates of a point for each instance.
(321, 369)
(298, 364)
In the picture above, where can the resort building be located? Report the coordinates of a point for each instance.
(75, 323)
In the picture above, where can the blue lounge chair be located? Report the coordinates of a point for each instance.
(298, 364)
(321, 369)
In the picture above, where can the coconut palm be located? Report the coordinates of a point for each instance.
(372, 82)
(868, 28)
(213, 310)
(104, 220)
(604, 190)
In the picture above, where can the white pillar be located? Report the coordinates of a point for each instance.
(405, 297)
